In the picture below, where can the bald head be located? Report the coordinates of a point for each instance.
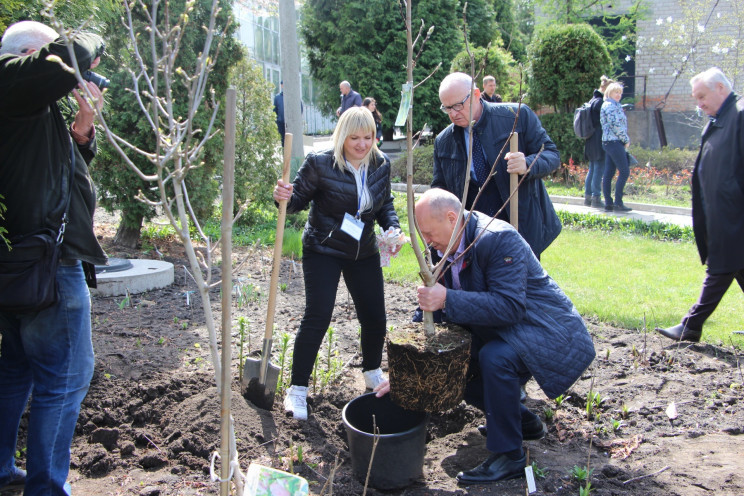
(26, 37)
(436, 215)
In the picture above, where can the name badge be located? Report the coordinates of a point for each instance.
(352, 226)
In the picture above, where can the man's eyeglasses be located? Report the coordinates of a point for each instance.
(454, 108)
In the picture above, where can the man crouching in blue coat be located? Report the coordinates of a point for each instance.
(522, 325)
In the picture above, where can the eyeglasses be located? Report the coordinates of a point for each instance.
(454, 108)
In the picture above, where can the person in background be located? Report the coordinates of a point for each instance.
(538, 222)
(593, 151)
(489, 90)
(521, 323)
(717, 199)
(348, 191)
(349, 98)
(279, 111)
(371, 105)
(615, 141)
(47, 355)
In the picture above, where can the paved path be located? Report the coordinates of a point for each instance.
(647, 212)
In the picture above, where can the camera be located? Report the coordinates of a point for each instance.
(95, 78)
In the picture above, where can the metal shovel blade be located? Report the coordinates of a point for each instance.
(261, 395)
(260, 376)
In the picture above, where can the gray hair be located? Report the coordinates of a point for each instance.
(711, 78)
(26, 35)
(489, 79)
(455, 79)
(345, 84)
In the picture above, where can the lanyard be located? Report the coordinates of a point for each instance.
(361, 193)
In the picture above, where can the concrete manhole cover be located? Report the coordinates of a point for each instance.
(122, 276)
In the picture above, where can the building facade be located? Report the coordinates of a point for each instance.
(259, 33)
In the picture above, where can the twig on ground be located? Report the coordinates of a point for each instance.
(634, 479)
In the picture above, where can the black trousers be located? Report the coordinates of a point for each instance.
(714, 287)
(365, 284)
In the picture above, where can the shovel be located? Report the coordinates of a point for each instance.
(260, 376)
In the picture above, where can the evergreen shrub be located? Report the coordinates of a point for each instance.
(423, 166)
(498, 63)
(566, 64)
(560, 129)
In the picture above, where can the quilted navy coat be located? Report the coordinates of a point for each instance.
(538, 222)
(331, 192)
(506, 293)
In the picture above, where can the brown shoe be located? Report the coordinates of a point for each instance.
(680, 332)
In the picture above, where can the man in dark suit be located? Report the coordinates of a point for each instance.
(717, 199)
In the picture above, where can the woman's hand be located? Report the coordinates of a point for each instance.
(282, 191)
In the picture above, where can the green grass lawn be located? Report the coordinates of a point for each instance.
(617, 279)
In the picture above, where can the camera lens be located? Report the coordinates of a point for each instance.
(96, 79)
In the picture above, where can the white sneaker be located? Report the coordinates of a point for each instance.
(373, 378)
(295, 402)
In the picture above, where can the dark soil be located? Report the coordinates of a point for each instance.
(150, 422)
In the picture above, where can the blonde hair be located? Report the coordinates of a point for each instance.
(355, 119)
(611, 88)
(604, 82)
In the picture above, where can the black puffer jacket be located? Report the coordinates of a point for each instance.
(331, 192)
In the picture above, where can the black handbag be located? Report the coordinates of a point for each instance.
(28, 270)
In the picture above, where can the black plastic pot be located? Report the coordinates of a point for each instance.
(399, 456)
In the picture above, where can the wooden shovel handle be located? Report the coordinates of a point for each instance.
(278, 241)
(513, 186)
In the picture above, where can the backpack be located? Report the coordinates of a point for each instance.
(582, 122)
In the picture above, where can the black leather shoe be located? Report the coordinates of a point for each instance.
(609, 208)
(621, 208)
(496, 468)
(588, 201)
(680, 333)
(532, 429)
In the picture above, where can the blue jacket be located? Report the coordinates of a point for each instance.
(507, 294)
(351, 99)
(279, 106)
(614, 122)
(538, 222)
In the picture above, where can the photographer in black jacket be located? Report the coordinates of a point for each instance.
(47, 355)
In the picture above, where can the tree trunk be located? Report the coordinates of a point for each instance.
(128, 232)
